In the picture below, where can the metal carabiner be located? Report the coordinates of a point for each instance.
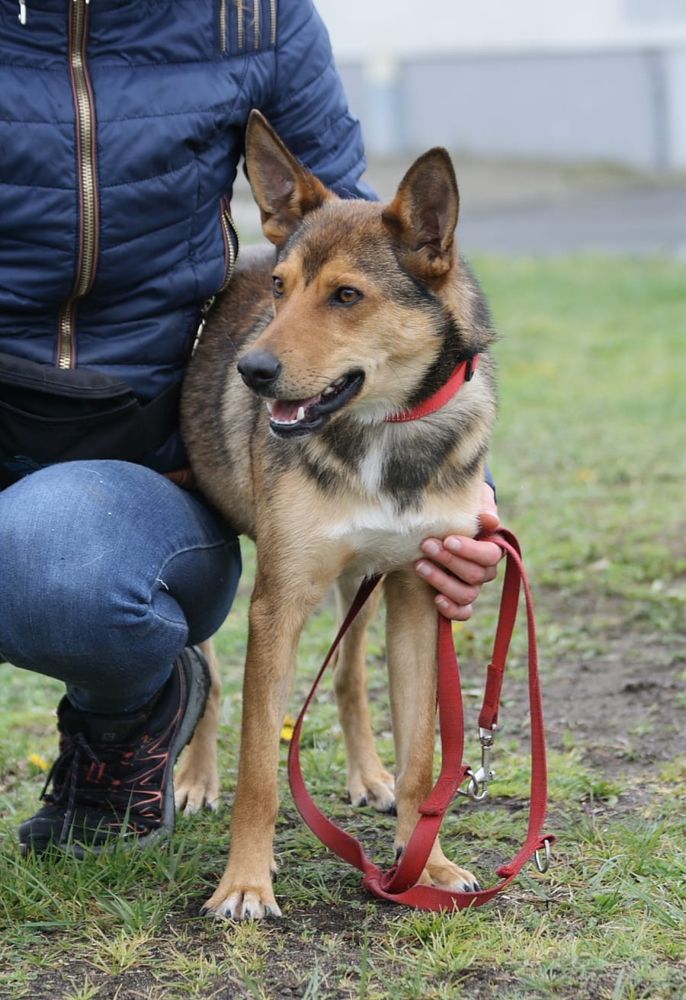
(544, 865)
(478, 784)
(477, 790)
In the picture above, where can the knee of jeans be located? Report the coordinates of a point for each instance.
(66, 594)
(82, 609)
(79, 593)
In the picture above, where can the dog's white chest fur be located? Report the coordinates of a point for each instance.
(383, 540)
(371, 469)
(381, 537)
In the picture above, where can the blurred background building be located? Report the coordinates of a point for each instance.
(593, 80)
(566, 120)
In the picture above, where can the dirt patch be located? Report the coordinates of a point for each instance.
(620, 694)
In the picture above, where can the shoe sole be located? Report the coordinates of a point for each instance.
(197, 677)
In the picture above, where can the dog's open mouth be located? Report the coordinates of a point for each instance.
(288, 417)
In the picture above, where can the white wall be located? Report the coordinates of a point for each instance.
(362, 28)
(579, 80)
(675, 125)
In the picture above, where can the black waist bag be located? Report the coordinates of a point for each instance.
(52, 415)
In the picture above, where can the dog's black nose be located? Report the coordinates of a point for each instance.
(259, 369)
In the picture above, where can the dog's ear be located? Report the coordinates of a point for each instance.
(283, 188)
(423, 215)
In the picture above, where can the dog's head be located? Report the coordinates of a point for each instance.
(365, 295)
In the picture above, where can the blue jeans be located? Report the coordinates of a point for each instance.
(107, 570)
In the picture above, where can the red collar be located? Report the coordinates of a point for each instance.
(463, 373)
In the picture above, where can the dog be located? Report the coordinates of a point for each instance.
(364, 311)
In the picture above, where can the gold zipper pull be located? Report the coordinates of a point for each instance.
(23, 11)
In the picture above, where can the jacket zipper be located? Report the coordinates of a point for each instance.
(230, 258)
(87, 175)
(230, 251)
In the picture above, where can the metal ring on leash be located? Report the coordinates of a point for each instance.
(544, 865)
(477, 789)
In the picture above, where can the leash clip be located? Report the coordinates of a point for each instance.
(543, 864)
(477, 789)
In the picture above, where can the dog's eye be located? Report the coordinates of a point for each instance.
(346, 296)
(277, 286)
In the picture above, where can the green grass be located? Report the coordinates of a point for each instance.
(589, 460)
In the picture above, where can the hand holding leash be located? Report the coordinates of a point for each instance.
(469, 563)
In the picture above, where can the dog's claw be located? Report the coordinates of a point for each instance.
(371, 787)
(465, 885)
(192, 795)
(446, 875)
(242, 906)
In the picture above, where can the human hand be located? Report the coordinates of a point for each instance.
(458, 566)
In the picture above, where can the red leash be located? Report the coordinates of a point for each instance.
(399, 884)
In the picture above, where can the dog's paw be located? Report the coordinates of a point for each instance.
(442, 873)
(194, 791)
(236, 903)
(372, 788)
(445, 875)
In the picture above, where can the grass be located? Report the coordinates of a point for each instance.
(588, 457)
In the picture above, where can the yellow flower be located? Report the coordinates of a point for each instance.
(38, 762)
(287, 729)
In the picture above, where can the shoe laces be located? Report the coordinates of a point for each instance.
(81, 778)
(73, 749)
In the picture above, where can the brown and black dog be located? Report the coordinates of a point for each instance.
(364, 311)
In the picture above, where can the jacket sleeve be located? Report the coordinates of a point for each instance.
(307, 105)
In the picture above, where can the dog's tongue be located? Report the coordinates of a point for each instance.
(288, 411)
(285, 411)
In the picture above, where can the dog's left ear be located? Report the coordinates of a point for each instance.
(423, 214)
(284, 189)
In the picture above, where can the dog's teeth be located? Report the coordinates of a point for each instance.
(270, 406)
(301, 413)
(328, 391)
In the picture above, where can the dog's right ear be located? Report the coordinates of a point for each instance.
(283, 188)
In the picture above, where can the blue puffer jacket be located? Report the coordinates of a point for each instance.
(121, 127)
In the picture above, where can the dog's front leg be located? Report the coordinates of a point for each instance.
(411, 648)
(368, 781)
(277, 616)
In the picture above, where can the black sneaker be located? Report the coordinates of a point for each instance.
(113, 777)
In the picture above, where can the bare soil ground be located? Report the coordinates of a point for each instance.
(619, 697)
